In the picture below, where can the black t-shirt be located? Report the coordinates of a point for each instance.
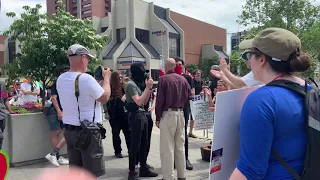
(191, 83)
(55, 92)
(197, 86)
(146, 107)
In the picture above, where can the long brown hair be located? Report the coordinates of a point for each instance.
(116, 87)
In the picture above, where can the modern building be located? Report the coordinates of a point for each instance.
(2, 49)
(86, 8)
(143, 32)
(236, 38)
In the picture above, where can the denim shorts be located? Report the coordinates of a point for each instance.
(54, 123)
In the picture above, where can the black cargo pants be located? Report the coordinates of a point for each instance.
(91, 159)
(138, 122)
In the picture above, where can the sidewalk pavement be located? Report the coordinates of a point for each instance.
(117, 169)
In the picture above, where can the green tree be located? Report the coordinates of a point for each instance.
(238, 65)
(44, 40)
(205, 66)
(294, 15)
(192, 67)
(298, 16)
(311, 41)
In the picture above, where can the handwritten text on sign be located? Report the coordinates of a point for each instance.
(203, 118)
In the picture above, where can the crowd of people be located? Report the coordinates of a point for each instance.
(272, 118)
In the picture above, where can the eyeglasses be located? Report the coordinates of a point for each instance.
(247, 55)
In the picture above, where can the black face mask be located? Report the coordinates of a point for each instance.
(139, 74)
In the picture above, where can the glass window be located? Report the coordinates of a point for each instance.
(87, 5)
(173, 48)
(121, 35)
(12, 50)
(155, 73)
(86, 12)
(142, 35)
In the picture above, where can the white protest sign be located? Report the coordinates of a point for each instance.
(226, 141)
(203, 118)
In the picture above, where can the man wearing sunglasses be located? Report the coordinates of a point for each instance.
(234, 81)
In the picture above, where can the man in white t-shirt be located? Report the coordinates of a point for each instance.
(232, 80)
(91, 95)
(30, 90)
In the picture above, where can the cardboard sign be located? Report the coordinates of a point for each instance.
(226, 137)
(203, 118)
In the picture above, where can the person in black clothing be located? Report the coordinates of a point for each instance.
(149, 107)
(186, 110)
(54, 117)
(118, 115)
(137, 91)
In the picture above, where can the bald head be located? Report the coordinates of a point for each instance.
(170, 64)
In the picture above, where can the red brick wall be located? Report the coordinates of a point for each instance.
(196, 34)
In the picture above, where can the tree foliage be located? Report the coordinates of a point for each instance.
(294, 15)
(298, 16)
(44, 40)
(205, 66)
(191, 67)
(238, 65)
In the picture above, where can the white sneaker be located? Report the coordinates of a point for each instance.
(63, 161)
(52, 159)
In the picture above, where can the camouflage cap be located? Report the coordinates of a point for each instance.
(275, 42)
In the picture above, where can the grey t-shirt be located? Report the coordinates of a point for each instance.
(131, 89)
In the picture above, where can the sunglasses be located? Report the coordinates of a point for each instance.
(247, 55)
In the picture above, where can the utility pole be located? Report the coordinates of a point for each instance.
(79, 8)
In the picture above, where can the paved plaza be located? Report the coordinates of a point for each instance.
(117, 169)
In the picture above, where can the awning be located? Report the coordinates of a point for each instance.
(112, 51)
(154, 54)
(131, 51)
(1, 47)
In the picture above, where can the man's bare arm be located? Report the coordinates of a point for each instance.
(237, 81)
(55, 103)
(232, 86)
(8, 106)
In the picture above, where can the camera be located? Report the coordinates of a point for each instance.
(98, 73)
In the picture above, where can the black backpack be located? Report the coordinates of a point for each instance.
(312, 111)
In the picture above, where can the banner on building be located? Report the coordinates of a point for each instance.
(203, 118)
(226, 141)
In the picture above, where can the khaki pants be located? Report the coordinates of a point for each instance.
(172, 139)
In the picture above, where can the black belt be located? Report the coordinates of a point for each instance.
(71, 127)
(175, 109)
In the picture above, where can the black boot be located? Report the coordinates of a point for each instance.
(189, 166)
(133, 176)
(119, 155)
(146, 172)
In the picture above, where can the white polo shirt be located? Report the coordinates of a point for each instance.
(250, 81)
(89, 90)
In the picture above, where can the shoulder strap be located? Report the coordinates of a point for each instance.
(303, 92)
(290, 85)
(77, 94)
(286, 165)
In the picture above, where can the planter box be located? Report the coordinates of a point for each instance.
(27, 138)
